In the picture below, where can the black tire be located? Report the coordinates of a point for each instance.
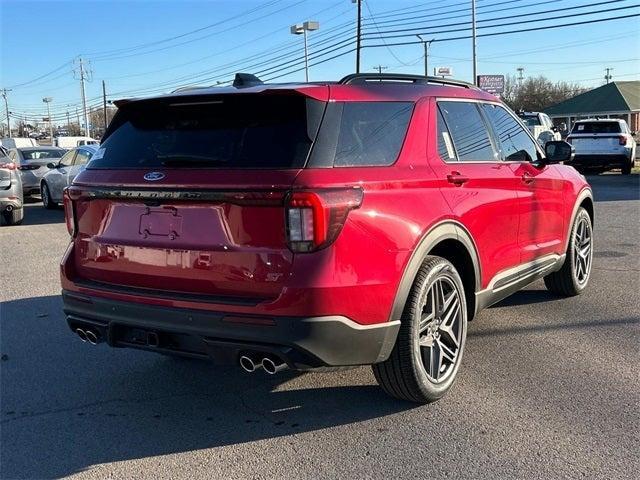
(565, 282)
(47, 201)
(404, 374)
(626, 170)
(14, 217)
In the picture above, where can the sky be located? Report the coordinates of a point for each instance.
(146, 47)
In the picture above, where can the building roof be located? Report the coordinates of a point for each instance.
(612, 97)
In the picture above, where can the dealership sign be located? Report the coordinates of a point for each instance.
(443, 71)
(491, 83)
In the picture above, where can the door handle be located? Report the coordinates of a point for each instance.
(527, 177)
(457, 178)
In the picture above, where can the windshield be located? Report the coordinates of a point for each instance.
(235, 131)
(596, 127)
(531, 121)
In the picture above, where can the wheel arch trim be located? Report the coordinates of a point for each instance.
(584, 194)
(445, 230)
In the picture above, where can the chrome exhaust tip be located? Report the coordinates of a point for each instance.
(9, 208)
(92, 337)
(248, 365)
(82, 334)
(272, 366)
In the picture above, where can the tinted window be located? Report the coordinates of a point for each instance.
(469, 132)
(445, 146)
(515, 144)
(41, 154)
(233, 131)
(371, 133)
(67, 159)
(596, 127)
(82, 157)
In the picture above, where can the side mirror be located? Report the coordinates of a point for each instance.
(557, 151)
(52, 165)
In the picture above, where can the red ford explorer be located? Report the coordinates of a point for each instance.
(305, 226)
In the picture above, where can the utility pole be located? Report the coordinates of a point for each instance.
(426, 44)
(473, 35)
(83, 74)
(608, 75)
(520, 71)
(68, 123)
(48, 100)
(358, 33)
(104, 104)
(380, 68)
(6, 108)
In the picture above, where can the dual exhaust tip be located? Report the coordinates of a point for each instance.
(88, 335)
(270, 364)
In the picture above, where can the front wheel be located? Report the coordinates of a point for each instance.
(574, 275)
(427, 354)
(47, 201)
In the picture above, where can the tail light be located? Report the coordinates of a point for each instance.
(622, 140)
(69, 212)
(314, 218)
(28, 167)
(8, 165)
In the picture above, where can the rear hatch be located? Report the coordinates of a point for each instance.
(35, 161)
(186, 196)
(596, 138)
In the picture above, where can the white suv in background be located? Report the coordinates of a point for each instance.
(603, 143)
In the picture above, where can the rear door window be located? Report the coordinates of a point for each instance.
(596, 127)
(82, 157)
(469, 132)
(242, 131)
(371, 133)
(515, 144)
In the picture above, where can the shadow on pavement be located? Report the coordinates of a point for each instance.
(615, 187)
(67, 406)
(36, 214)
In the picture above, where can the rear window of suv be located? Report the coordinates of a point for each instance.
(232, 132)
(596, 127)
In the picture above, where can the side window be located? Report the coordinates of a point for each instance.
(372, 133)
(468, 131)
(67, 159)
(515, 144)
(445, 145)
(81, 158)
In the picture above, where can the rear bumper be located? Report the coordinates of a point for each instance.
(600, 160)
(12, 203)
(303, 343)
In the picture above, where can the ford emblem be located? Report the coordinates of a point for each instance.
(153, 176)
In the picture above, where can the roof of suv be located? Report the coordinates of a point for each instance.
(619, 120)
(356, 87)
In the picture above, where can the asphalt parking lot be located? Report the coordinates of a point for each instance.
(549, 388)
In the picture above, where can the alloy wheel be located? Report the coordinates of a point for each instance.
(440, 330)
(45, 195)
(582, 251)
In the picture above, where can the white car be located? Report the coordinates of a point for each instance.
(62, 174)
(540, 126)
(603, 144)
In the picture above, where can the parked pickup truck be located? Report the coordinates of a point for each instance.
(540, 126)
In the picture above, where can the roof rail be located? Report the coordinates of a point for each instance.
(361, 78)
(189, 87)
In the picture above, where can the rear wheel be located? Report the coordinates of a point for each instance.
(626, 169)
(427, 354)
(47, 201)
(14, 217)
(574, 275)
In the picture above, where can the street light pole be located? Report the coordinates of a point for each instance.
(303, 28)
(48, 100)
(426, 44)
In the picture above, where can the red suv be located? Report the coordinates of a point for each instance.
(307, 226)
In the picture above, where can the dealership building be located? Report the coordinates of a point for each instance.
(613, 100)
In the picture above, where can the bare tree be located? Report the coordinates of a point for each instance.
(537, 93)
